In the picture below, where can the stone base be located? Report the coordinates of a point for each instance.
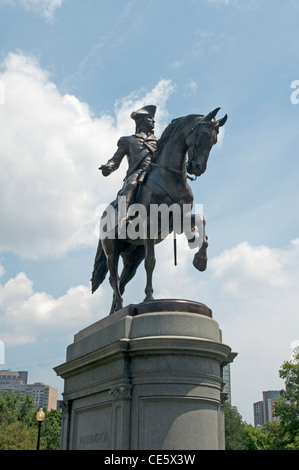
(146, 377)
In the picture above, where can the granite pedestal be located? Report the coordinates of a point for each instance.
(146, 377)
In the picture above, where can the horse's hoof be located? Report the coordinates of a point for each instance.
(115, 309)
(149, 298)
(199, 262)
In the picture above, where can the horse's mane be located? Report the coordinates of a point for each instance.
(172, 129)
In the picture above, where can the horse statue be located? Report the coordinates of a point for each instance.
(166, 184)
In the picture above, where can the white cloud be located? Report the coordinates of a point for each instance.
(26, 315)
(260, 295)
(243, 4)
(257, 269)
(157, 96)
(44, 8)
(225, 2)
(191, 88)
(51, 148)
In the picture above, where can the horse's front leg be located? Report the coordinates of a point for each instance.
(193, 229)
(200, 258)
(149, 264)
(112, 262)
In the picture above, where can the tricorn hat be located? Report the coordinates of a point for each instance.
(145, 111)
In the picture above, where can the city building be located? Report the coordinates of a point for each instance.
(43, 395)
(263, 410)
(227, 382)
(258, 414)
(8, 376)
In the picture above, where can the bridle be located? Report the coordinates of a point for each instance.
(190, 158)
(175, 171)
(195, 145)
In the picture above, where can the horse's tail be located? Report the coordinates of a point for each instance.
(100, 268)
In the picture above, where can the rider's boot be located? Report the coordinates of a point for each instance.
(129, 197)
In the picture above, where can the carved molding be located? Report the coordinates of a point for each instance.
(223, 398)
(121, 392)
(65, 406)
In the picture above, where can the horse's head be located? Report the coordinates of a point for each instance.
(200, 139)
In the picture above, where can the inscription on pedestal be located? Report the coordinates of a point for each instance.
(90, 439)
(94, 425)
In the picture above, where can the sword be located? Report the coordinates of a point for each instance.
(174, 248)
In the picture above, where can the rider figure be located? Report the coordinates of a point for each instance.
(138, 148)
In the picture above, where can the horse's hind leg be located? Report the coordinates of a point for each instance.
(131, 262)
(112, 262)
(149, 263)
(113, 305)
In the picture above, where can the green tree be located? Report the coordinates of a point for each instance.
(18, 436)
(51, 431)
(18, 425)
(287, 407)
(279, 435)
(276, 436)
(293, 445)
(16, 419)
(15, 407)
(234, 429)
(254, 438)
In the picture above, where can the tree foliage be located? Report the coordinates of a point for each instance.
(290, 396)
(18, 425)
(287, 407)
(234, 429)
(254, 439)
(278, 435)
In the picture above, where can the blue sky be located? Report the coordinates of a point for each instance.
(71, 73)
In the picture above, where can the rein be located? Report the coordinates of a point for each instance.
(173, 170)
(196, 142)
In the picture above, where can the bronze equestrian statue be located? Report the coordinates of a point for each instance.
(165, 165)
